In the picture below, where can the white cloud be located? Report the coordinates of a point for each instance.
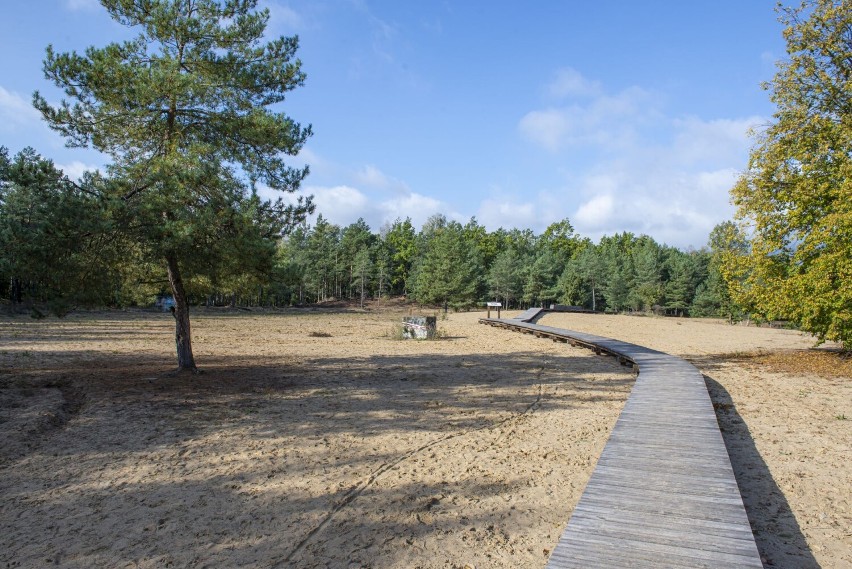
(76, 169)
(547, 128)
(675, 207)
(609, 122)
(416, 206)
(365, 192)
(568, 82)
(507, 212)
(596, 213)
(372, 177)
(713, 182)
(15, 111)
(344, 204)
(641, 170)
(307, 157)
(720, 141)
(320, 166)
(339, 204)
(282, 18)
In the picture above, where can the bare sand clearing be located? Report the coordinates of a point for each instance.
(316, 440)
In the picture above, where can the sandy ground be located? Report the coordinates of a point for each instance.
(314, 439)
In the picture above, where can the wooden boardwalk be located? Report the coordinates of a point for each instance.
(663, 493)
(529, 315)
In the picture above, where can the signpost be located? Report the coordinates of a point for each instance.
(497, 305)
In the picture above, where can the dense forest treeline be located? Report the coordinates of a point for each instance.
(59, 254)
(447, 263)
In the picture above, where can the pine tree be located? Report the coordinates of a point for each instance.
(353, 239)
(617, 258)
(449, 270)
(382, 255)
(504, 277)
(402, 241)
(647, 288)
(582, 279)
(541, 277)
(559, 238)
(184, 112)
(362, 270)
(680, 287)
(488, 245)
(321, 259)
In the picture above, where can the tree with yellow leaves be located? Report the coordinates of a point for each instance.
(796, 196)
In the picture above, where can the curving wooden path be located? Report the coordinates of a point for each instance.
(663, 493)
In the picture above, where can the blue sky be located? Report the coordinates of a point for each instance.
(620, 115)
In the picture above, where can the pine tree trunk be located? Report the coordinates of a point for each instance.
(15, 291)
(183, 339)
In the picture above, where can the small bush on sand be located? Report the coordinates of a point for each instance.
(395, 331)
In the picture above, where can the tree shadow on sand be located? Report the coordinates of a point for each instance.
(779, 538)
(218, 464)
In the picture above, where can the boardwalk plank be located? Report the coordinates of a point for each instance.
(663, 493)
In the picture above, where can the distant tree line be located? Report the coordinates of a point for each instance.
(59, 253)
(450, 264)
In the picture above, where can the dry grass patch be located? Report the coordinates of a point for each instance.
(821, 362)
(824, 363)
